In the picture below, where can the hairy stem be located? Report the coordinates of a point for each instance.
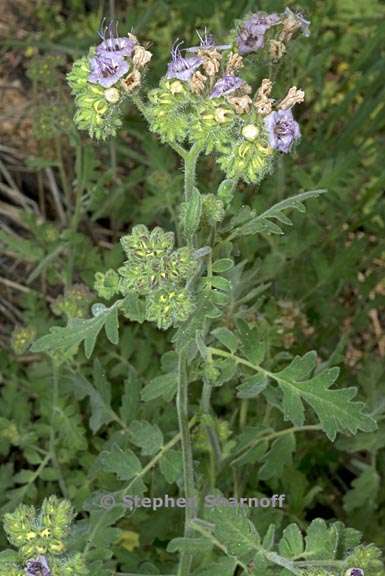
(188, 465)
(191, 159)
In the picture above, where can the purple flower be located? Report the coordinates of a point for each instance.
(106, 70)
(112, 44)
(37, 567)
(301, 21)
(282, 130)
(251, 35)
(180, 67)
(226, 85)
(356, 572)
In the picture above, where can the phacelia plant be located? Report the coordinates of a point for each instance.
(187, 279)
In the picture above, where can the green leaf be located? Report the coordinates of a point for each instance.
(163, 386)
(191, 545)
(171, 465)
(253, 342)
(226, 337)
(291, 543)
(222, 265)
(252, 386)
(321, 541)
(222, 567)
(193, 213)
(233, 529)
(130, 399)
(266, 222)
(134, 308)
(334, 408)
(269, 537)
(7, 556)
(226, 190)
(61, 340)
(364, 492)
(123, 463)
(279, 456)
(221, 283)
(101, 411)
(147, 436)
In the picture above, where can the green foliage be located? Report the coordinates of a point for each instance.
(64, 341)
(242, 282)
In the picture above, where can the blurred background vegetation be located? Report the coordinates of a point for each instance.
(65, 201)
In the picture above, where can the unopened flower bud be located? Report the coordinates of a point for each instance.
(221, 115)
(112, 95)
(176, 87)
(250, 132)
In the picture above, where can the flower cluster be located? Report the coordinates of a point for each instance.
(155, 272)
(74, 303)
(40, 539)
(102, 80)
(22, 338)
(204, 100)
(270, 31)
(367, 560)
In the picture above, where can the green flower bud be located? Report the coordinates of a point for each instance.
(212, 125)
(144, 244)
(141, 277)
(250, 161)
(211, 372)
(181, 265)
(107, 284)
(56, 517)
(19, 525)
(74, 303)
(168, 110)
(22, 339)
(168, 307)
(213, 209)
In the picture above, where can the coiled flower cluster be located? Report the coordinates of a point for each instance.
(155, 272)
(103, 80)
(41, 541)
(204, 100)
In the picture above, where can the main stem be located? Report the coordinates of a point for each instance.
(188, 465)
(185, 560)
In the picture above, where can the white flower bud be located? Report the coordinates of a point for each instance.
(250, 132)
(112, 95)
